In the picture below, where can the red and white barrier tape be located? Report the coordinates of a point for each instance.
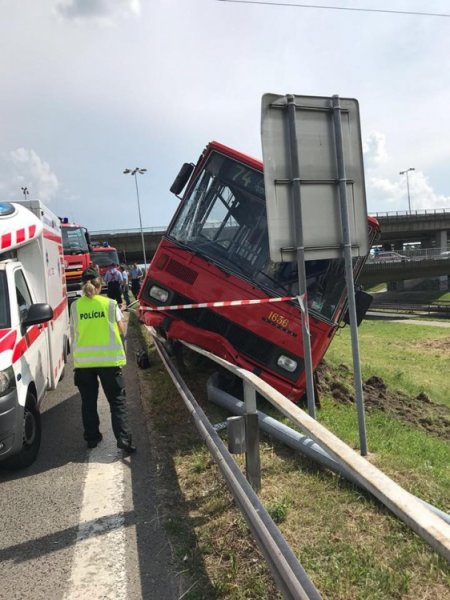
(223, 303)
(300, 300)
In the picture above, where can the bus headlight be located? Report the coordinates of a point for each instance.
(286, 363)
(159, 294)
(7, 381)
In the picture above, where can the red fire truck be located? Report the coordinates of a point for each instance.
(76, 244)
(216, 249)
(103, 255)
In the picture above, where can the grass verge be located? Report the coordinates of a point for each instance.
(350, 545)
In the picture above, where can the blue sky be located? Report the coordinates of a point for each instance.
(91, 87)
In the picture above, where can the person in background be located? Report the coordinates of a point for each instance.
(125, 288)
(136, 276)
(99, 354)
(113, 279)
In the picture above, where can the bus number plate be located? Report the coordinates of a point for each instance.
(278, 319)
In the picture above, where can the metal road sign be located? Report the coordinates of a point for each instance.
(320, 196)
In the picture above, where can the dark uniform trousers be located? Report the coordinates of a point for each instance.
(113, 385)
(135, 287)
(114, 291)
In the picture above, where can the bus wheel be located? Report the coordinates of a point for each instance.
(31, 437)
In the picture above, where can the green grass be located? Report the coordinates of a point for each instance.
(412, 359)
(415, 459)
(351, 546)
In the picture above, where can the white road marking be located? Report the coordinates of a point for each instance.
(98, 570)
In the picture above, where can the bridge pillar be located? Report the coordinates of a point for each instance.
(442, 239)
(426, 242)
(395, 286)
(441, 242)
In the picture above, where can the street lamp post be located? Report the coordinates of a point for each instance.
(134, 172)
(25, 192)
(405, 172)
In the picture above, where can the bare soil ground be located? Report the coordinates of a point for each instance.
(419, 411)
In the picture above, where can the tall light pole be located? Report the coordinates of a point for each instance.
(134, 172)
(405, 172)
(25, 192)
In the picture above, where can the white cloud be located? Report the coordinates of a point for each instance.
(422, 194)
(150, 83)
(387, 190)
(388, 194)
(374, 148)
(24, 168)
(103, 11)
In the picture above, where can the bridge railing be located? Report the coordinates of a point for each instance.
(105, 232)
(406, 213)
(411, 254)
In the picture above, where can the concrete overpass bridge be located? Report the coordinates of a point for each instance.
(420, 267)
(429, 228)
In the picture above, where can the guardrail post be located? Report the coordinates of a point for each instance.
(236, 434)
(252, 457)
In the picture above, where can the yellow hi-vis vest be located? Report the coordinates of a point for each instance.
(96, 335)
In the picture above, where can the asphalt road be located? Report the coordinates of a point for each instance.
(84, 524)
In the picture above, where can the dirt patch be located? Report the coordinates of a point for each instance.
(419, 411)
(441, 345)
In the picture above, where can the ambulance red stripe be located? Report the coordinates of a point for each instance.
(49, 235)
(23, 234)
(6, 240)
(7, 339)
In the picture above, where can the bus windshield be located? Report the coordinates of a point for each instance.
(74, 240)
(223, 218)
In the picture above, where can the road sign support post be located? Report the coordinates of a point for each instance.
(342, 183)
(295, 196)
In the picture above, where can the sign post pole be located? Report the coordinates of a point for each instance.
(342, 181)
(295, 196)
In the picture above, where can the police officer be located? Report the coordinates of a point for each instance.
(98, 353)
(136, 276)
(114, 280)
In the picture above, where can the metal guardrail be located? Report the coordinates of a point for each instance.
(290, 577)
(431, 527)
(443, 308)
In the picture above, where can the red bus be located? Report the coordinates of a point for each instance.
(216, 249)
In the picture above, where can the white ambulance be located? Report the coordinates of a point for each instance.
(34, 324)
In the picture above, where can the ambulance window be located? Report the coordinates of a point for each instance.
(23, 295)
(4, 302)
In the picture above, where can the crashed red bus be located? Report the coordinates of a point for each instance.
(216, 249)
